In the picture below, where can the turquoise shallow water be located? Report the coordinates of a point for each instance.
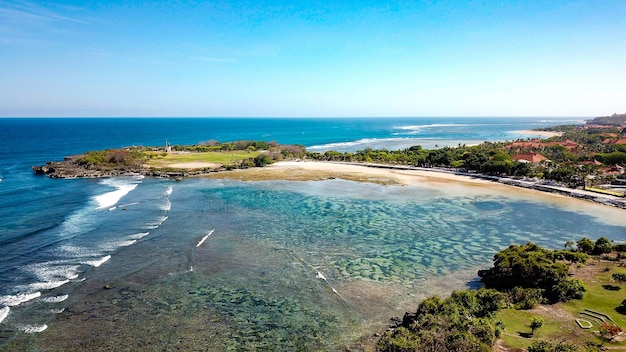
(290, 265)
(300, 265)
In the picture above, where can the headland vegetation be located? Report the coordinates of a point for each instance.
(583, 161)
(533, 299)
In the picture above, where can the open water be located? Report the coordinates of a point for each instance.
(227, 265)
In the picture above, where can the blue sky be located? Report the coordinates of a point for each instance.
(312, 58)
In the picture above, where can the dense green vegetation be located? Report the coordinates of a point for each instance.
(568, 166)
(239, 154)
(112, 158)
(532, 267)
(462, 322)
(522, 277)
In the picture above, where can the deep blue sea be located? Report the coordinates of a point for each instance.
(230, 265)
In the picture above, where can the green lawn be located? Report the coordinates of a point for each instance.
(223, 158)
(603, 295)
(517, 328)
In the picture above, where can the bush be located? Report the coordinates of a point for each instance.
(399, 340)
(566, 290)
(262, 160)
(524, 298)
(602, 246)
(545, 346)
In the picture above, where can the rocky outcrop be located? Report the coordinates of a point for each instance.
(70, 168)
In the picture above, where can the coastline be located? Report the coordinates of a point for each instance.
(138, 289)
(406, 175)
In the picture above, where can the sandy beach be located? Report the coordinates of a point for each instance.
(447, 183)
(318, 170)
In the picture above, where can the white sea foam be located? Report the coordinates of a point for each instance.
(204, 238)
(169, 190)
(77, 251)
(97, 262)
(17, 299)
(4, 312)
(55, 299)
(47, 285)
(111, 198)
(155, 225)
(139, 235)
(122, 188)
(127, 243)
(33, 329)
(416, 128)
(128, 204)
(167, 206)
(112, 245)
(357, 143)
(50, 275)
(57, 311)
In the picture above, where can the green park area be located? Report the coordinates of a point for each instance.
(533, 299)
(219, 158)
(576, 321)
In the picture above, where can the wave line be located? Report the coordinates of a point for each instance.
(204, 238)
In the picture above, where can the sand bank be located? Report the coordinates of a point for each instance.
(448, 183)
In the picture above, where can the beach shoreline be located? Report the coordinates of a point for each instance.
(407, 175)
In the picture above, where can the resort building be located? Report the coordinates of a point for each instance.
(529, 158)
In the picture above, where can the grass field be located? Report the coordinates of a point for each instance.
(603, 295)
(517, 327)
(161, 160)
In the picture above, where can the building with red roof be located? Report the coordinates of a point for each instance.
(529, 158)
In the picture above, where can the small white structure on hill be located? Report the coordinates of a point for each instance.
(168, 147)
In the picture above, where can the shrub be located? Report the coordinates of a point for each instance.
(566, 290)
(524, 298)
(602, 246)
(399, 340)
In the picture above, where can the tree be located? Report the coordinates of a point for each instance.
(585, 245)
(619, 277)
(528, 266)
(603, 245)
(262, 160)
(615, 158)
(566, 290)
(535, 323)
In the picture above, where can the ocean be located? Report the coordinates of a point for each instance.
(133, 263)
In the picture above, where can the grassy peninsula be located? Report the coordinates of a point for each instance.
(586, 156)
